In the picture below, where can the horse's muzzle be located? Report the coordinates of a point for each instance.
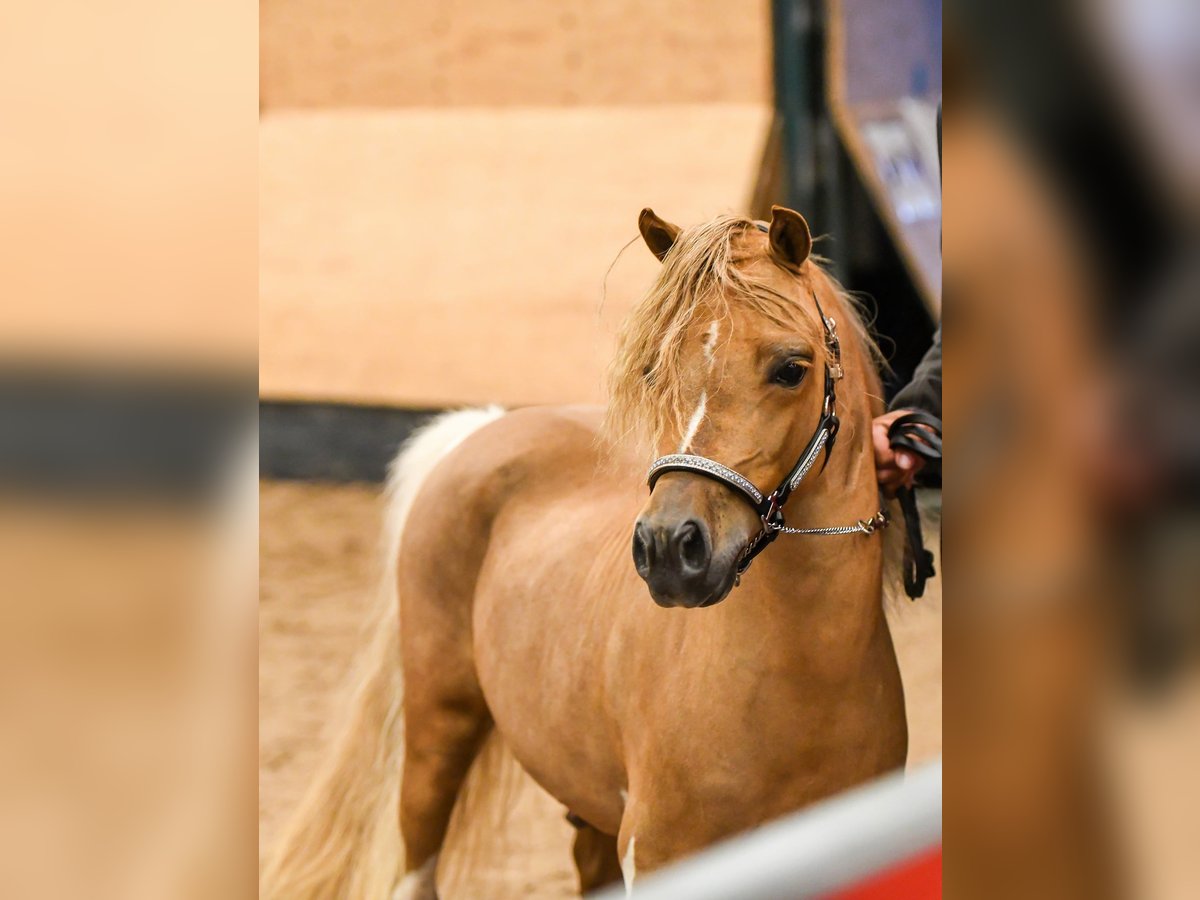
(676, 562)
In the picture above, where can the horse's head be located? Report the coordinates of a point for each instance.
(724, 359)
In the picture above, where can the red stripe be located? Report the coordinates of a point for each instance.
(917, 878)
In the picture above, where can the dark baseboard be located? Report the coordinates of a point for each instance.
(127, 435)
(332, 442)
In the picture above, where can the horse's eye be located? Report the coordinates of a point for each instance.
(789, 374)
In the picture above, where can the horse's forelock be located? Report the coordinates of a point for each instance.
(702, 277)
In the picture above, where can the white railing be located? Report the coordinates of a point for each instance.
(834, 844)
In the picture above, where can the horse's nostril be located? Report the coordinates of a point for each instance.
(693, 548)
(643, 549)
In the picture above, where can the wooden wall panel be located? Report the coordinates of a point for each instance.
(387, 53)
(440, 257)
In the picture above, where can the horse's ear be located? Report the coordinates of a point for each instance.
(658, 235)
(791, 241)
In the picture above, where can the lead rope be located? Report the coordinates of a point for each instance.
(920, 433)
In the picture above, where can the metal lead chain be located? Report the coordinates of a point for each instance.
(862, 526)
(877, 522)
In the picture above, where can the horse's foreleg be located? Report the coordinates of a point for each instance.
(595, 858)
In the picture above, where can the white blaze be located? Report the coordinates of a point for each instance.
(710, 343)
(694, 422)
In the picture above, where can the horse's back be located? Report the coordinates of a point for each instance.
(521, 439)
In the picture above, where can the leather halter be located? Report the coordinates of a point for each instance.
(770, 506)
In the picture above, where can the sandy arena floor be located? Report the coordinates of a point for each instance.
(317, 572)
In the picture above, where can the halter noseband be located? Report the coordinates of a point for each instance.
(770, 506)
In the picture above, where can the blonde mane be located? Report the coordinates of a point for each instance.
(702, 276)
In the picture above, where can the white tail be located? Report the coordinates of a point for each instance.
(343, 841)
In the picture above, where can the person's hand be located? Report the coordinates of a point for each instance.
(894, 468)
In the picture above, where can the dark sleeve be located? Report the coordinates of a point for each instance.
(924, 392)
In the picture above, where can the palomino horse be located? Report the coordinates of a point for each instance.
(663, 719)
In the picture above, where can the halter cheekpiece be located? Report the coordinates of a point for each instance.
(770, 506)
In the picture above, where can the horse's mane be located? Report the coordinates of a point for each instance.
(703, 275)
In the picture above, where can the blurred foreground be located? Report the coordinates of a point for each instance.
(1071, 636)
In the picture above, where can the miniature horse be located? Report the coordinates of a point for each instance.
(669, 699)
